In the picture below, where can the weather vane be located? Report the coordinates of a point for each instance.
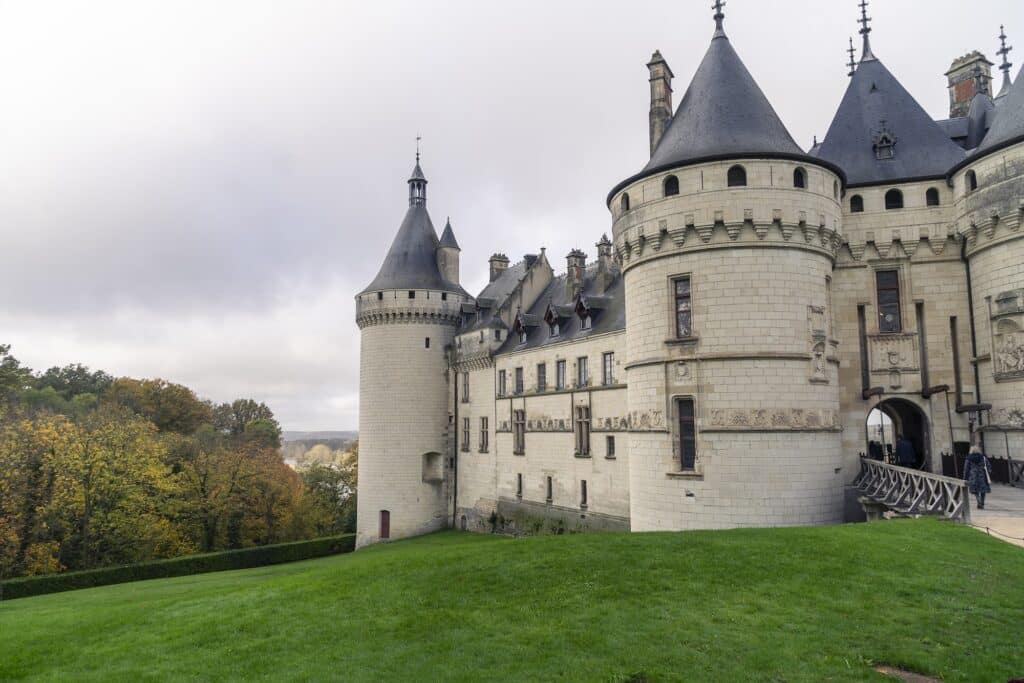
(1004, 52)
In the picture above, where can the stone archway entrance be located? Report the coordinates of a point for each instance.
(893, 418)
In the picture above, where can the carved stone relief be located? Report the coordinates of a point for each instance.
(1008, 336)
(778, 419)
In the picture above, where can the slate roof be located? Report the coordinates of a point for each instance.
(979, 119)
(923, 149)
(411, 262)
(955, 129)
(1008, 126)
(723, 115)
(448, 237)
(609, 317)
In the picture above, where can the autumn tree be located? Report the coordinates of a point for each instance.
(245, 417)
(74, 380)
(13, 375)
(171, 407)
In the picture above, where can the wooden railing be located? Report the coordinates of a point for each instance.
(912, 492)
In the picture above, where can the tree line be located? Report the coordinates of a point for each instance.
(97, 470)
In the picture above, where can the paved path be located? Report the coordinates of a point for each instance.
(1003, 514)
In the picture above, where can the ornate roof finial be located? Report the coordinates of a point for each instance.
(719, 16)
(980, 82)
(418, 138)
(1004, 51)
(853, 62)
(865, 30)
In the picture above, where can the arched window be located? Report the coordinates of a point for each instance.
(625, 201)
(972, 181)
(800, 178)
(671, 186)
(856, 204)
(893, 200)
(931, 197)
(737, 176)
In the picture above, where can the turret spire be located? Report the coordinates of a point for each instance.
(417, 181)
(1004, 51)
(719, 16)
(865, 30)
(853, 61)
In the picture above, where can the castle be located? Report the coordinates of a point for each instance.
(716, 365)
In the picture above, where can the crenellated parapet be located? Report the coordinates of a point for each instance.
(395, 307)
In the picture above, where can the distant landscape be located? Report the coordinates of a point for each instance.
(301, 449)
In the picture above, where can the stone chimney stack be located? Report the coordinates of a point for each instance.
(499, 264)
(604, 264)
(661, 97)
(576, 266)
(967, 76)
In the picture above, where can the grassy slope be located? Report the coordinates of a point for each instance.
(788, 604)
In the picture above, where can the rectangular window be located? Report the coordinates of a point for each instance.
(444, 296)
(484, 437)
(687, 434)
(519, 380)
(609, 446)
(888, 285)
(519, 485)
(608, 369)
(583, 493)
(380, 296)
(560, 375)
(412, 294)
(518, 432)
(684, 312)
(542, 377)
(465, 387)
(501, 382)
(497, 335)
(550, 490)
(465, 435)
(582, 429)
(426, 342)
(582, 374)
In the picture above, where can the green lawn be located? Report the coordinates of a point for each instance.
(747, 605)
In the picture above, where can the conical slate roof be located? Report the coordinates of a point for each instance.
(875, 102)
(1008, 126)
(411, 262)
(723, 115)
(448, 237)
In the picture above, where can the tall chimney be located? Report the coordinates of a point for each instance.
(661, 97)
(576, 265)
(604, 264)
(499, 264)
(967, 76)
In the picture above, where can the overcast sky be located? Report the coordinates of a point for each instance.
(196, 190)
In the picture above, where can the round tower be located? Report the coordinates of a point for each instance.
(727, 240)
(989, 190)
(407, 317)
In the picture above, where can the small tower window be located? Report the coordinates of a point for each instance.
(932, 197)
(497, 335)
(835, 189)
(737, 176)
(856, 204)
(380, 296)
(625, 201)
(444, 296)
(800, 179)
(426, 342)
(412, 294)
(972, 181)
(893, 200)
(671, 186)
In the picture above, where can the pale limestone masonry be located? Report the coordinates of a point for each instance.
(882, 270)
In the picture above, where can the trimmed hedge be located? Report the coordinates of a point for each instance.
(245, 558)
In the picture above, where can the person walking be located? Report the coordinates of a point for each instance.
(905, 455)
(978, 475)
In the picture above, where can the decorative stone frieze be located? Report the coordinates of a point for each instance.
(773, 420)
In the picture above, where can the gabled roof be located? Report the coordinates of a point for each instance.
(876, 101)
(1008, 127)
(723, 115)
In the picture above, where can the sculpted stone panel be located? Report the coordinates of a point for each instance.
(893, 352)
(1009, 417)
(775, 419)
(1008, 349)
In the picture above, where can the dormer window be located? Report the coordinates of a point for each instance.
(586, 322)
(497, 335)
(884, 143)
(555, 329)
(522, 336)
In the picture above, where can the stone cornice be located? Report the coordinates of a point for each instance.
(986, 231)
(407, 316)
(640, 243)
(476, 362)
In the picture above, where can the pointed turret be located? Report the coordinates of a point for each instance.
(412, 261)
(1008, 127)
(880, 133)
(723, 115)
(1004, 52)
(448, 254)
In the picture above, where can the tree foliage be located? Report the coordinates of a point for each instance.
(96, 471)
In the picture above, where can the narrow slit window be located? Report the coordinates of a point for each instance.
(583, 493)
(684, 308)
(687, 434)
(550, 490)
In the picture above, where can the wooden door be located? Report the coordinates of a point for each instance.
(385, 524)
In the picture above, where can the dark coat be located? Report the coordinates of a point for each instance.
(905, 456)
(977, 470)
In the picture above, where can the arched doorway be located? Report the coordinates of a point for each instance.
(897, 418)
